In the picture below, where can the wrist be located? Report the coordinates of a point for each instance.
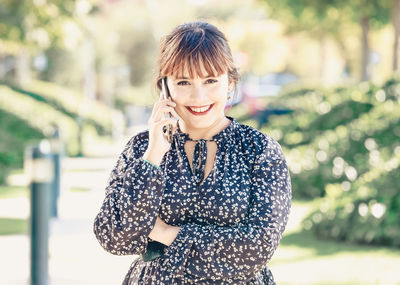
(153, 159)
(158, 231)
(171, 233)
(164, 233)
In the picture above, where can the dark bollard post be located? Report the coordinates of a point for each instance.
(56, 149)
(40, 168)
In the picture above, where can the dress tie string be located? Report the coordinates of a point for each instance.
(199, 160)
(200, 150)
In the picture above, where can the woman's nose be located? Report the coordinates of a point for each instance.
(198, 93)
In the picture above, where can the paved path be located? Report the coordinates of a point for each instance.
(75, 256)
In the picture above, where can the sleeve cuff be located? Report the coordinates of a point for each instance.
(149, 168)
(177, 253)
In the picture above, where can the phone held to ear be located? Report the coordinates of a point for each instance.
(166, 95)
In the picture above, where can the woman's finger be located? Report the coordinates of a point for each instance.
(163, 110)
(157, 105)
(166, 109)
(166, 121)
(173, 112)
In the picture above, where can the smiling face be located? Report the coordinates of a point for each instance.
(200, 101)
(199, 66)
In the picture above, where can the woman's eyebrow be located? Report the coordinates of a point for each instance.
(179, 78)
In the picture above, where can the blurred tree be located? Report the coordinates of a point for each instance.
(370, 14)
(34, 23)
(396, 26)
(30, 27)
(336, 19)
(62, 67)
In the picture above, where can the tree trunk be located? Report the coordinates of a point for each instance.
(22, 68)
(323, 58)
(396, 26)
(345, 54)
(365, 48)
(89, 80)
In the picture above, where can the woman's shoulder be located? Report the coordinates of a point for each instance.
(137, 144)
(259, 142)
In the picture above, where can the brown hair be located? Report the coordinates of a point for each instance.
(190, 44)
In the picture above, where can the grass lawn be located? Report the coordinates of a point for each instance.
(11, 226)
(13, 191)
(301, 258)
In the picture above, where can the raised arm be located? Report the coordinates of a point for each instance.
(133, 198)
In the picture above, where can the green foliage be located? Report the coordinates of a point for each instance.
(26, 119)
(39, 115)
(343, 145)
(27, 116)
(34, 23)
(69, 103)
(15, 135)
(320, 139)
(324, 17)
(337, 20)
(368, 213)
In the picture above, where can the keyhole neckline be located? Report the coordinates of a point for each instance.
(225, 136)
(225, 133)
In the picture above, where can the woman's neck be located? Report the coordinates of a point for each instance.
(205, 133)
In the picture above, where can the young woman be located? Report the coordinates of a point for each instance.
(215, 201)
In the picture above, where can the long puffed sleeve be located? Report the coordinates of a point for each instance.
(239, 251)
(133, 198)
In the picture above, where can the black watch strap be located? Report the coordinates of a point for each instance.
(154, 250)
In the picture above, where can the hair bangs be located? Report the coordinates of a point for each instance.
(203, 61)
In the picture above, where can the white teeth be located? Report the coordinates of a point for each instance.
(199, 110)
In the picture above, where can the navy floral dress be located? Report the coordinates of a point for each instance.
(230, 224)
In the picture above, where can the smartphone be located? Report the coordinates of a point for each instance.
(166, 95)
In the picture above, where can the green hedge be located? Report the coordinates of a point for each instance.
(15, 134)
(27, 115)
(368, 212)
(39, 115)
(75, 105)
(346, 150)
(316, 143)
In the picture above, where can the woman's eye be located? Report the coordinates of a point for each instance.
(182, 82)
(211, 80)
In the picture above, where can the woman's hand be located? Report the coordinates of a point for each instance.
(164, 233)
(158, 140)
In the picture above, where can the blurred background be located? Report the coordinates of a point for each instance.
(320, 77)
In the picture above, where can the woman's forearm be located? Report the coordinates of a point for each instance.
(163, 232)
